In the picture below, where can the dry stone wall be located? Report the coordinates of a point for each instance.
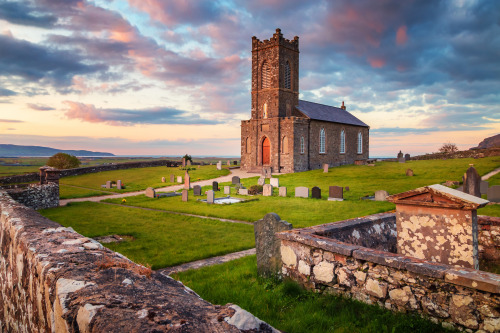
(53, 279)
(37, 196)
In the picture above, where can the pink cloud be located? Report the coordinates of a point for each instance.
(376, 62)
(401, 35)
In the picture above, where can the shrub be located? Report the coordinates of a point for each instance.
(448, 148)
(187, 157)
(255, 189)
(63, 161)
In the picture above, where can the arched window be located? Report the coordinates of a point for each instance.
(266, 76)
(302, 145)
(264, 111)
(284, 145)
(248, 147)
(342, 142)
(288, 79)
(322, 141)
(360, 143)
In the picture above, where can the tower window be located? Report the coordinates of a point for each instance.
(288, 83)
(322, 141)
(342, 142)
(284, 145)
(302, 145)
(266, 76)
(360, 143)
(264, 111)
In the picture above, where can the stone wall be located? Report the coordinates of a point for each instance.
(489, 238)
(53, 279)
(458, 297)
(37, 196)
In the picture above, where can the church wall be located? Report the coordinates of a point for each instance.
(301, 160)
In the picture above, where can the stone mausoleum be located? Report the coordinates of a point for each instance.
(288, 134)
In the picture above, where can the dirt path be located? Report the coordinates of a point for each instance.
(490, 174)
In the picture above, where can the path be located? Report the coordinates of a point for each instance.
(490, 174)
(206, 262)
(221, 179)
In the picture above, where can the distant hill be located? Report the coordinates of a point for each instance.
(20, 151)
(491, 142)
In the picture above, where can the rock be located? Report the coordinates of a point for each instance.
(491, 142)
(376, 288)
(304, 268)
(245, 321)
(85, 315)
(288, 257)
(461, 312)
(324, 271)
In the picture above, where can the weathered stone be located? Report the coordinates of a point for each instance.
(345, 277)
(235, 180)
(376, 288)
(493, 193)
(188, 163)
(461, 310)
(472, 183)
(215, 186)
(316, 193)
(172, 178)
(219, 165)
(302, 192)
(483, 186)
(243, 191)
(381, 195)
(227, 189)
(409, 172)
(324, 271)
(407, 157)
(282, 191)
(197, 190)
(108, 184)
(304, 268)
(185, 195)
(335, 193)
(267, 190)
(275, 182)
(163, 179)
(325, 168)
(210, 197)
(150, 192)
(261, 181)
(187, 181)
(288, 256)
(179, 179)
(491, 325)
(183, 161)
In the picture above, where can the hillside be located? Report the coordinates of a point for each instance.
(7, 150)
(491, 142)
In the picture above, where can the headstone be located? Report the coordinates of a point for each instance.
(243, 191)
(400, 155)
(325, 167)
(407, 157)
(409, 172)
(401, 158)
(210, 197)
(163, 180)
(493, 193)
(197, 190)
(150, 192)
(227, 189)
(346, 188)
(108, 184)
(215, 186)
(484, 186)
(275, 182)
(172, 178)
(184, 195)
(381, 195)
(261, 181)
(316, 193)
(268, 246)
(118, 184)
(219, 165)
(179, 179)
(235, 180)
(472, 182)
(282, 191)
(235, 162)
(336, 193)
(183, 161)
(267, 190)
(302, 192)
(187, 181)
(266, 172)
(228, 163)
(188, 163)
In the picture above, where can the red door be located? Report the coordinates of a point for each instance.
(266, 152)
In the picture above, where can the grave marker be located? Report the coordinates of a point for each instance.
(335, 193)
(187, 181)
(118, 184)
(243, 191)
(228, 163)
(215, 186)
(302, 192)
(184, 195)
(172, 178)
(235, 180)
(267, 190)
(472, 182)
(282, 191)
(108, 184)
(275, 182)
(407, 157)
(261, 181)
(484, 186)
(150, 192)
(197, 190)
(183, 161)
(163, 180)
(188, 163)
(381, 195)
(227, 189)
(493, 193)
(235, 162)
(325, 168)
(179, 179)
(219, 165)
(210, 197)
(409, 172)
(316, 193)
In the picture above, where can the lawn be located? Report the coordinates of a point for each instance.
(67, 192)
(289, 308)
(160, 239)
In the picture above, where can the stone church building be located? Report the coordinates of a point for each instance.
(288, 134)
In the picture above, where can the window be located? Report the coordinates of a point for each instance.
(302, 145)
(248, 148)
(322, 141)
(264, 111)
(288, 83)
(284, 145)
(266, 76)
(360, 143)
(342, 142)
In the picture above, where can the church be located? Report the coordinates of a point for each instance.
(287, 134)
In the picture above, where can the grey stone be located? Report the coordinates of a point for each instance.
(493, 194)
(172, 178)
(119, 184)
(275, 182)
(261, 181)
(400, 155)
(267, 190)
(197, 190)
(472, 182)
(108, 184)
(381, 195)
(215, 186)
(150, 192)
(268, 245)
(316, 193)
(484, 186)
(302, 192)
(325, 167)
(336, 193)
(409, 172)
(243, 191)
(407, 157)
(163, 180)
(282, 191)
(184, 195)
(187, 181)
(235, 180)
(227, 189)
(210, 197)
(179, 179)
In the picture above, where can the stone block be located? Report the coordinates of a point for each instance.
(210, 197)
(282, 191)
(267, 190)
(302, 192)
(335, 193)
(184, 195)
(381, 195)
(376, 288)
(493, 193)
(316, 193)
(227, 189)
(197, 190)
(324, 271)
(150, 192)
(119, 184)
(275, 182)
(472, 183)
(235, 180)
(288, 256)
(243, 191)
(187, 181)
(476, 279)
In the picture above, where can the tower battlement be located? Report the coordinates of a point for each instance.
(276, 40)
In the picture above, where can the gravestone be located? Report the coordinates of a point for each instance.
(282, 191)
(335, 193)
(266, 172)
(472, 182)
(188, 163)
(493, 193)
(210, 197)
(267, 190)
(261, 181)
(183, 161)
(302, 192)
(118, 184)
(316, 193)
(275, 182)
(187, 181)
(108, 184)
(243, 191)
(172, 178)
(346, 188)
(409, 172)
(400, 155)
(184, 195)
(179, 179)
(215, 186)
(407, 157)
(150, 192)
(228, 163)
(227, 189)
(484, 186)
(163, 180)
(219, 165)
(381, 195)
(197, 190)
(235, 162)
(325, 167)
(268, 246)
(235, 180)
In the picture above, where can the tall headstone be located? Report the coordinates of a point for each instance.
(472, 184)
(228, 163)
(302, 192)
(119, 184)
(197, 190)
(108, 184)
(493, 193)
(401, 158)
(183, 161)
(275, 182)
(316, 193)
(381, 195)
(484, 186)
(163, 180)
(336, 193)
(325, 167)
(261, 181)
(150, 192)
(184, 195)
(187, 181)
(219, 165)
(210, 197)
(400, 155)
(172, 178)
(227, 189)
(282, 191)
(267, 190)
(268, 245)
(235, 180)
(179, 179)
(188, 163)
(215, 186)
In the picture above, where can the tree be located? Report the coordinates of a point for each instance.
(63, 161)
(187, 157)
(448, 148)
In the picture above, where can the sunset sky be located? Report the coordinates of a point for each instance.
(142, 77)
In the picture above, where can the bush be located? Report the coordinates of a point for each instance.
(448, 148)
(255, 189)
(63, 161)
(187, 157)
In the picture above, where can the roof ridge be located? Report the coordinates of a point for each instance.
(330, 106)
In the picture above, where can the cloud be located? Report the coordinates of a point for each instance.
(401, 35)
(7, 92)
(10, 121)
(124, 117)
(39, 107)
(20, 13)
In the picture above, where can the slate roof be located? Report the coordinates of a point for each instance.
(328, 113)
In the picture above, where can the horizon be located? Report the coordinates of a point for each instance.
(161, 78)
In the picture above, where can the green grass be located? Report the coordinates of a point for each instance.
(161, 239)
(289, 308)
(494, 180)
(489, 210)
(67, 192)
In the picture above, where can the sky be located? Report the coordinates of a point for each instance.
(154, 77)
